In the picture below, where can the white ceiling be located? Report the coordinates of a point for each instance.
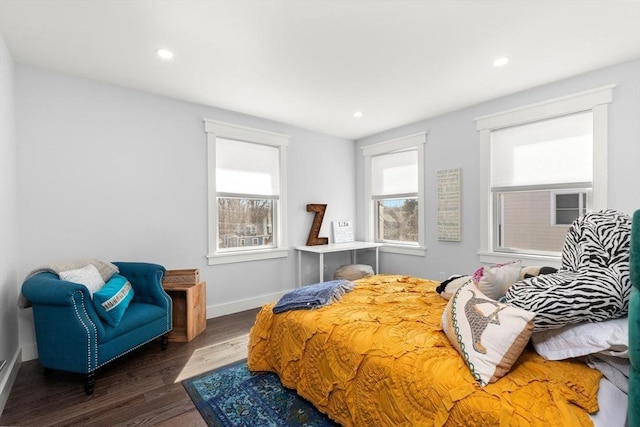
(313, 63)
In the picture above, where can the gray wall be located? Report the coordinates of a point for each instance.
(117, 174)
(453, 142)
(9, 344)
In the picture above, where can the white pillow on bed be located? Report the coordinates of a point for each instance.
(489, 335)
(494, 280)
(609, 337)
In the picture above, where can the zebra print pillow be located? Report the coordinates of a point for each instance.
(568, 297)
(598, 240)
(593, 284)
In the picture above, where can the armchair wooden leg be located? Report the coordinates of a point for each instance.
(164, 341)
(47, 371)
(89, 383)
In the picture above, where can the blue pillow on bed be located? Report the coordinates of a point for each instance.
(113, 299)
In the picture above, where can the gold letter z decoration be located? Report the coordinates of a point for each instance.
(317, 223)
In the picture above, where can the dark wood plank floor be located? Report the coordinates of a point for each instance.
(139, 389)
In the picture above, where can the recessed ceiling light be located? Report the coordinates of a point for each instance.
(357, 114)
(164, 53)
(500, 61)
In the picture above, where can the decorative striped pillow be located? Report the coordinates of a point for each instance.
(112, 300)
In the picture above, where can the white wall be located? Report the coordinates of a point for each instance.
(453, 142)
(121, 175)
(9, 345)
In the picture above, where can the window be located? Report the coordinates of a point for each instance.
(541, 167)
(247, 192)
(567, 207)
(246, 170)
(395, 193)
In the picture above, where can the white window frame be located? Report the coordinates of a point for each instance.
(595, 100)
(416, 141)
(215, 129)
(581, 206)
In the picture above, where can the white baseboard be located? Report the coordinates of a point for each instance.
(218, 310)
(29, 352)
(9, 378)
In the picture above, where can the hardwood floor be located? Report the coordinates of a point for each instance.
(142, 388)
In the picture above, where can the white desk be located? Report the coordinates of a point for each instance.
(335, 247)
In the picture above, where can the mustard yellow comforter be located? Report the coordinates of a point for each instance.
(378, 357)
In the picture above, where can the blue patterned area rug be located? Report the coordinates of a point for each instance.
(232, 396)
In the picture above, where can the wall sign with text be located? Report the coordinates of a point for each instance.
(342, 232)
(449, 188)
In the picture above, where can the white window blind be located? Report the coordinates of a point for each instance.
(547, 152)
(246, 168)
(395, 173)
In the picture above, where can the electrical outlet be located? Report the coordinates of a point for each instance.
(442, 276)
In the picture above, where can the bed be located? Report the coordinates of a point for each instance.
(380, 357)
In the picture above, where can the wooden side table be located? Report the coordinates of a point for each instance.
(189, 310)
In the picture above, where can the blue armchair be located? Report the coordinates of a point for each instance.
(72, 337)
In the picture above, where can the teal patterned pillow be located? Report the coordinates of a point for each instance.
(113, 299)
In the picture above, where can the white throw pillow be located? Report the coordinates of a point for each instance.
(609, 337)
(488, 334)
(494, 280)
(88, 276)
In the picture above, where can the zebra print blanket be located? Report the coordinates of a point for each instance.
(593, 284)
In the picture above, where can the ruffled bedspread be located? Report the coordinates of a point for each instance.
(378, 357)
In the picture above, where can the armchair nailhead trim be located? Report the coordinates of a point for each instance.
(168, 303)
(169, 311)
(86, 327)
(79, 308)
(130, 350)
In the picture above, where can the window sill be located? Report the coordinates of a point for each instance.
(404, 250)
(527, 259)
(228, 258)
